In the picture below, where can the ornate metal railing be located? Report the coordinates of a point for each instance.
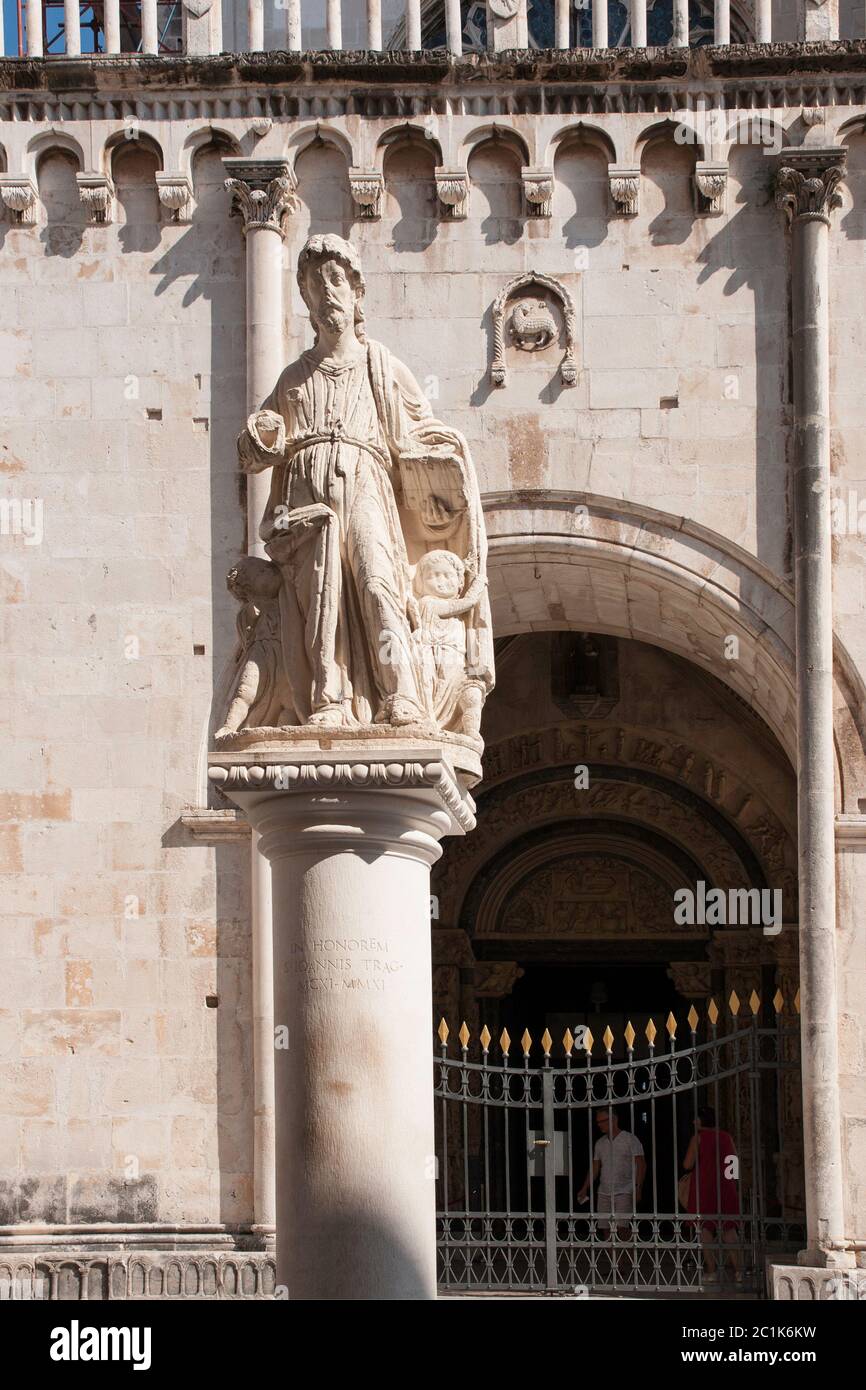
(108, 27)
(516, 1142)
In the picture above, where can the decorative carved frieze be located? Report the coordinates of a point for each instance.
(452, 190)
(520, 325)
(263, 191)
(807, 182)
(20, 197)
(186, 1274)
(367, 187)
(537, 190)
(97, 194)
(175, 194)
(358, 772)
(711, 181)
(494, 979)
(624, 189)
(691, 978)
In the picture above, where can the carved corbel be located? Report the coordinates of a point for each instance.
(568, 366)
(97, 194)
(367, 187)
(624, 189)
(263, 191)
(175, 194)
(20, 197)
(452, 189)
(537, 190)
(711, 181)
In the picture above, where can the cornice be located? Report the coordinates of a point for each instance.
(606, 74)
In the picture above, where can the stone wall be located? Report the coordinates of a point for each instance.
(125, 989)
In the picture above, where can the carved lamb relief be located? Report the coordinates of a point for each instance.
(526, 315)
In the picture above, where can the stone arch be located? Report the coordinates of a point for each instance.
(134, 165)
(659, 132)
(581, 190)
(325, 198)
(581, 132)
(494, 167)
(320, 133)
(50, 142)
(667, 168)
(595, 565)
(408, 163)
(206, 137)
(122, 141)
(505, 135)
(410, 134)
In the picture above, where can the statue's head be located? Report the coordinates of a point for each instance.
(332, 283)
(253, 578)
(440, 574)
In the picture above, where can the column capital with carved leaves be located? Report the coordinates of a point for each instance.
(263, 192)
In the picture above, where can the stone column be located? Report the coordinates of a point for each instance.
(350, 833)
(262, 195)
(817, 21)
(806, 185)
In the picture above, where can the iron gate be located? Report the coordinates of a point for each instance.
(516, 1139)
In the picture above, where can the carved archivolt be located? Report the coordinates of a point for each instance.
(532, 280)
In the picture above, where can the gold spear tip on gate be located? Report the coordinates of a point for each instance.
(797, 1001)
(607, 1039)
(651, 1032)
(778, 1001)
(671, 1026)
(463, 1035)
(734, 1003)
(485, 1038)
(713, 1012)
(526, 1042)
(567, 1042)
(546, 1042)
(629, 1035)
(692, 1017)
(504, 1041)
(443, 1031)
(588, 1040)
(754, 1002)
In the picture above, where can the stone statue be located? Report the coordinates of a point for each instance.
(259, 688)
(374, 524)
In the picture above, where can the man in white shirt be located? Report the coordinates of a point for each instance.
(618, 1156)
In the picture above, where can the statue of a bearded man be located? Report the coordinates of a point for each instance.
(365, 483)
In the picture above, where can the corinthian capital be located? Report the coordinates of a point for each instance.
(263, 191)
(807, 182)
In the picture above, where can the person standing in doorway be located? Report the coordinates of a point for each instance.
(619, 1164)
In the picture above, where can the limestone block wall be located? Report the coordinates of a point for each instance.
(125, 987)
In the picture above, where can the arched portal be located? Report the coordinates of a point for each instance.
(638, 750)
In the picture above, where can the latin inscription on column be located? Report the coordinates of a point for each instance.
(345, 963)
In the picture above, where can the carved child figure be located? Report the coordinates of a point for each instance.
(257, 697)
(455, 697)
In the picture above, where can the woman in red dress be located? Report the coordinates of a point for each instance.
(711, 1160)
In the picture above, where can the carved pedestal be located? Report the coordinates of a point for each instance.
(350, 831)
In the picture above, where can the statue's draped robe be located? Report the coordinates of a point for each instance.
(347, 538)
